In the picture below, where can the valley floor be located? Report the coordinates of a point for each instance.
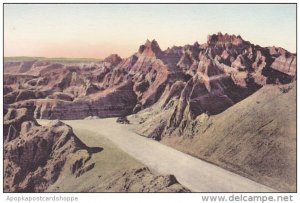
(114, 169)
(193, 173)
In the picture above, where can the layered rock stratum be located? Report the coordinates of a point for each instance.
(34, 155)
(185, 96)
(207, 78)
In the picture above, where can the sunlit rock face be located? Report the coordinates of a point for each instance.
(214, 76)
(34, 155)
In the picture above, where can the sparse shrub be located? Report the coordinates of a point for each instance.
(123, 120)
(286, 89)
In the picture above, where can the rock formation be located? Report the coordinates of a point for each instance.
(173, 94)
(143, 180)
(214, 76)
(113, 59)
(34, 155)
(254, 138)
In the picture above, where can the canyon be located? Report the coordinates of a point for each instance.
(227, 101)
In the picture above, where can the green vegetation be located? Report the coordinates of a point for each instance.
(56, 60)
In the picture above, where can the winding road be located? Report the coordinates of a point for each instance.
(195, 174)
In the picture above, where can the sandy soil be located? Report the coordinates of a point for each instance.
(255, 138)
(195, 174)
(114, 170)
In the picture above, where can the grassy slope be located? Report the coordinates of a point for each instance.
(255, 138)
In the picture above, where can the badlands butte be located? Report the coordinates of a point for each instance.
(227, 102)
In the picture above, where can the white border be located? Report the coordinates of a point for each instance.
(133, 197)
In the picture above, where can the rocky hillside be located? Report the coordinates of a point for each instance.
(211, 100)
(255, 138)
(34, 155)
(208, 78)
(37, 156)
(143, 180)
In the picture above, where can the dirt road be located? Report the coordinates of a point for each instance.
(197, 175)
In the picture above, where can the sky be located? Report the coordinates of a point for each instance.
(98, 30)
